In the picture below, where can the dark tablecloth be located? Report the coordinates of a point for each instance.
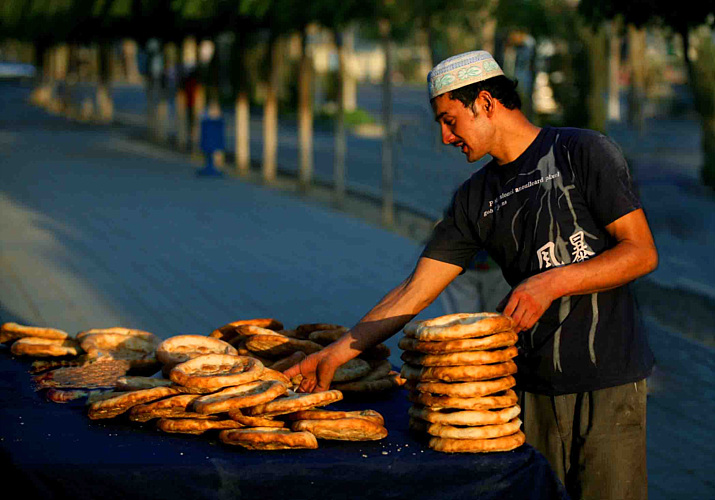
(52, 450)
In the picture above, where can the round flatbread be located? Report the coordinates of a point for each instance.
(269, 438)
(12, 331)
(386, 383)
(499, 400)
(304, 330)
(504, 443)
(323, 414)
(276, 345)
(495, 341)
(342, 429)
(459, 326)
(139, 350)
(228, 332)
(465, 417)
(137, 382)
(458, 373)
(180, 348)
(460, 358)
(283, 364)
(249, 421)
(171, 407)
(475, 432)
(216, 371)
(121, 402)
(45, 348)
(118, 330)
(352, 370)
(376, 352)
(195, 425)
(240, 396)
(464, 389)
(325, 337)
(294, 401)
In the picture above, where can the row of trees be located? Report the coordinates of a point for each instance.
(589, 35)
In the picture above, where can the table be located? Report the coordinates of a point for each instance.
(50, 450)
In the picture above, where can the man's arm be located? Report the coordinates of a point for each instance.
(633, 256)
(388, 317)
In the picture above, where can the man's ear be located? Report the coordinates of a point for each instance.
(488, 102)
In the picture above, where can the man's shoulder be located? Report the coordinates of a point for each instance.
(573, 138)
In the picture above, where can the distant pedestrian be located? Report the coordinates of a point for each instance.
(556, 210)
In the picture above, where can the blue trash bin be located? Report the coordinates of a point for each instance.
(212, 140)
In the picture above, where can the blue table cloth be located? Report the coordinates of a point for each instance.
(52, 450)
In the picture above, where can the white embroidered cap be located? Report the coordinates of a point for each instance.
(461, 70)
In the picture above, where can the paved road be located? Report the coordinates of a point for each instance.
(100, 229)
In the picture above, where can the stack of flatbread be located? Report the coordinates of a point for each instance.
(459, 370)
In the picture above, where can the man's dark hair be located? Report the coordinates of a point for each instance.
(500, 87)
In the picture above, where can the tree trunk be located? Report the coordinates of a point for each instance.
(636, 61)
(598, 77)
(388, 209)
(614, 69)
(270, 114)
(305, 115)
(340, 140)
(105, 105)
(242, 128)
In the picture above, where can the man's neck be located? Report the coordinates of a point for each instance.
(514, 135)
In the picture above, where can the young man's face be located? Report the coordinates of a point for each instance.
(471, 132)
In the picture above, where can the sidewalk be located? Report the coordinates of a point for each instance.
(100, 229)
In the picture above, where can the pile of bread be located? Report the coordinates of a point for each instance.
(459, 370)
(230, 379)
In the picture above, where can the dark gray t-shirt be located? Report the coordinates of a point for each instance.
(547, 208)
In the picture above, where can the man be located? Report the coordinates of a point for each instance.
(556, 210)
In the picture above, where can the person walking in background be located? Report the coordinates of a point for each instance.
(556, 210)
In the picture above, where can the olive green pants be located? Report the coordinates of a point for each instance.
(594, 441)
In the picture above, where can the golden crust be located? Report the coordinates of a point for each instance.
(227, 332)
(13, 331)
(504, 443)
(180, 348)
(195, 425)
(121, 402)
(118, 330)
(139, 350)
(293, 401)
(342, 429)
(216, 371)
(174, 407)
(458, 373)
(494, 341)
(97, 374)
(465, 417)
(459, 326)
(65, 396)
(249, 421)
(240, 396)
(45, 348)
(323, 414)
(500, 400)
(464, 389)
(269, 438)
(460, 358)
(474, 432)
(137, 382)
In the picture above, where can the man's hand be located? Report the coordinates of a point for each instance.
(317, 371)
(528, 301)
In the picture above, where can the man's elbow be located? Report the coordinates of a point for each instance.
(650, 260)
